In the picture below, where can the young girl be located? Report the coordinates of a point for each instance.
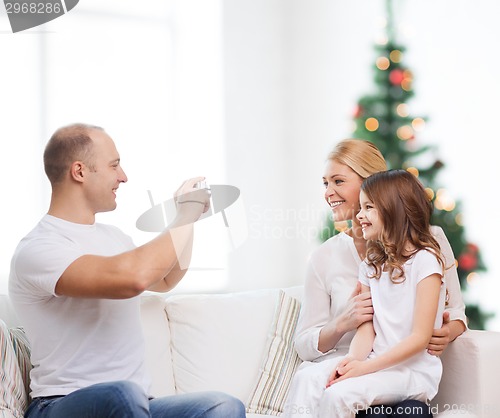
(403, 271)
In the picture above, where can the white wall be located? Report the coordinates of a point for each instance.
(292, 73)
(452, 48)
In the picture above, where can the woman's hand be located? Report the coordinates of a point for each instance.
(359, 309)
(440, 337)
(446, 334)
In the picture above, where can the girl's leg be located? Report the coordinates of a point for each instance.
(307, 387)
(387, 387)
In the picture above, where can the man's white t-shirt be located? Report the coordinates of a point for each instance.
(75, 342)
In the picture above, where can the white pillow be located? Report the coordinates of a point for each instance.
(13, 397)
(218, 340)
(280, 360)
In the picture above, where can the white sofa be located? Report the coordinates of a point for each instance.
(231, 343)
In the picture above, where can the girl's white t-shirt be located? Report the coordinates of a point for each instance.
(394, 307)
(331, 277)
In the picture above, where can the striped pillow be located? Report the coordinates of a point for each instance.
(280, 360)
(22, 350)
(13, 397)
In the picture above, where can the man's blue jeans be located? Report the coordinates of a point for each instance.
(128, 400)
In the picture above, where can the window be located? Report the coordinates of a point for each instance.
(149, 72)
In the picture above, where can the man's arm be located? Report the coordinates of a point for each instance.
(154, 265)
(180, 268)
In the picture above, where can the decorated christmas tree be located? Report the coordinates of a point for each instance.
(384, 118)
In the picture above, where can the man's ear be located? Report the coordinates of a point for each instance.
(77, 171)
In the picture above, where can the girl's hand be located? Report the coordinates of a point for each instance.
(346, 368)
(335, 373)
(359, 309)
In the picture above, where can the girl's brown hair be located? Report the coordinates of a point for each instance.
(406, 210)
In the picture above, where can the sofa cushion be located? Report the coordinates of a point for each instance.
(13, 397)
(157, 336)
(280, 360)
(469, 386)
(218, 341)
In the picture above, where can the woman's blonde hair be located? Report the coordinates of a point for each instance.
(361, 156)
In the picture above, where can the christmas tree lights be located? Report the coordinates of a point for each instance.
(384, 118)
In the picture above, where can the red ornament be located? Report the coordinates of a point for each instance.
(472, 248)
(396, 76)
(358, 111)
(467, 261)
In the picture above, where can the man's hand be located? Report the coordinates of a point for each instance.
(440, 337)
(190, 201)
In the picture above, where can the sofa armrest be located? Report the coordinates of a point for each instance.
(470, 373)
